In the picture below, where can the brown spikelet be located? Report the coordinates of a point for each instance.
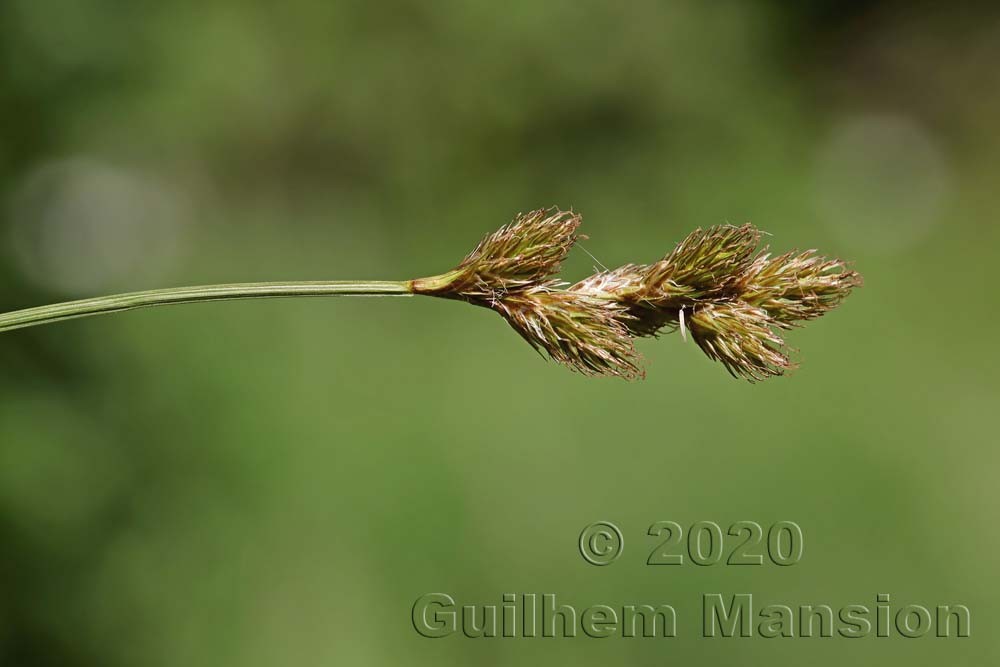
(706, 262)
(526, 252)
(586, 334)
(797, 286)
(740, 337)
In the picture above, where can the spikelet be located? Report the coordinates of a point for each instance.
(585, 333)
(797, 286)
(523, 254)
(706, 263)
(741, 338)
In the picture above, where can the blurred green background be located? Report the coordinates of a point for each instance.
(266, 483)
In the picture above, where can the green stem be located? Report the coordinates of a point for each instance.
(163, 297)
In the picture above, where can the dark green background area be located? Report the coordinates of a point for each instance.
(265, 483)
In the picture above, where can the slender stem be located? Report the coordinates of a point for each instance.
(163, 297)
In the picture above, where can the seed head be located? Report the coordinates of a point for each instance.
(733, 297)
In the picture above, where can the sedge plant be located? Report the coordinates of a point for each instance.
(718, 286)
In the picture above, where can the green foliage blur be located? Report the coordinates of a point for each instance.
(269, 483)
